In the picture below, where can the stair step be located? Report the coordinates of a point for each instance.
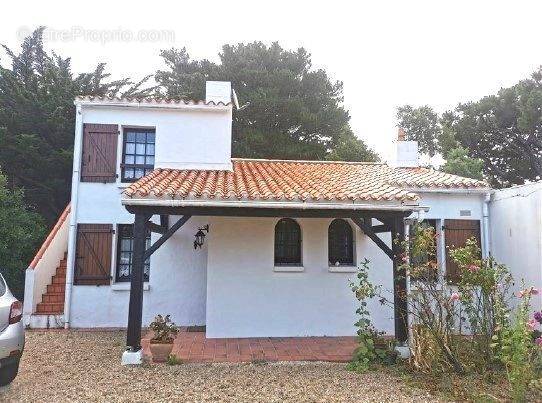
(59, 280)
(56, 288)
(53, 298)
(45, 307)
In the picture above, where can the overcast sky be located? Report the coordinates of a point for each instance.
(387, 53)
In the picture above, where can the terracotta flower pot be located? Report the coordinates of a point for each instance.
(161, 351)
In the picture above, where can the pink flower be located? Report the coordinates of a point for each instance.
(473, 268)
(538, 341)
(531, 324)
(527, 291)
(454, 297)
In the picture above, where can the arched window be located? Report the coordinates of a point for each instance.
(287, 243)
(340, 243)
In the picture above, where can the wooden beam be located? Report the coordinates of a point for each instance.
(263, 212)
(166, 236)
(155, 227)
(164, 221)
(367, 229)
(400, 302)
(135, 307)
(377, 229)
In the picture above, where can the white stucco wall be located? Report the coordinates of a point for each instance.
(177, 286)
(230, 285)
(516, 233)
(245, 297)
(185, 138)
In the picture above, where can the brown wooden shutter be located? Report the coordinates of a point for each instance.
(99, 160)
(93, 254)
(456, 233)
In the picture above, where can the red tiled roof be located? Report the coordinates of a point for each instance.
(50, 237)
(148, 100)
(279, 180)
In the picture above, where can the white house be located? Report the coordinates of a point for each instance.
(282, 238)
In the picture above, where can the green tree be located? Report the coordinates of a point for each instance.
(292, 111)
(422, 125)
(37, 92)
(21, 231)
(459, 163)
(505, 131)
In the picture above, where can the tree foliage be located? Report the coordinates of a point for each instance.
(500, 132)
(459, 163)
(37, 113)
(21, 231)
(292, 112)
(421, 125)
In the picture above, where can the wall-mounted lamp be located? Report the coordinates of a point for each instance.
(200, 236)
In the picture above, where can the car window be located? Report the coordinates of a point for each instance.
(2, 286)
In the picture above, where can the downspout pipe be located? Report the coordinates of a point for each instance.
(485, 226)
(77, 148)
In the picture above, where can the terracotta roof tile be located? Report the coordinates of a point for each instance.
(279, 180)
(148, 100)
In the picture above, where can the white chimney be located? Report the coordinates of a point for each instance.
(218, 91)
(407, 152)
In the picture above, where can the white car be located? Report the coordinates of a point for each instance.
(11, 334)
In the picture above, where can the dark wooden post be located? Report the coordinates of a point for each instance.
(399, 281)
(135, 309)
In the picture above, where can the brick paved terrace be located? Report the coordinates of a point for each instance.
(195, 347)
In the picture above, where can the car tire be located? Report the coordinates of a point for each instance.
(8, 373)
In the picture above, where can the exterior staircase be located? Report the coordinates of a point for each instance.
(52, 302)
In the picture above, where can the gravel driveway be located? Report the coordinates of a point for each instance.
(85, 366)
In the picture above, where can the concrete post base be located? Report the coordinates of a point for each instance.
(132, 357)
(404, 352)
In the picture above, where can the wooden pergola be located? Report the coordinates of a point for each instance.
(392, 219)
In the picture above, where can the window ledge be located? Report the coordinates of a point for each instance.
(342, 269)
(126, 286)
(288, 269)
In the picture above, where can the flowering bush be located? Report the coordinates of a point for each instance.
(514, 347)
(368, 351)
(484, 287)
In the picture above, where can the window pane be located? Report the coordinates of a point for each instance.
(129, 159)
(150, 137)
(140, 159)
(149, 160)
(140, 148)
(130, 136)
(138, 173)
(150, 149)
(287, 242)
(128, 173)
(140, 138)
(130, 148)
(125, 253)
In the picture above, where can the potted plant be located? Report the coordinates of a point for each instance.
(162, 341)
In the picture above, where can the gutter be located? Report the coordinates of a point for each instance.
(479, 191)
(256, 204)
(70, 266)
(147, 105)
(486, 252)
